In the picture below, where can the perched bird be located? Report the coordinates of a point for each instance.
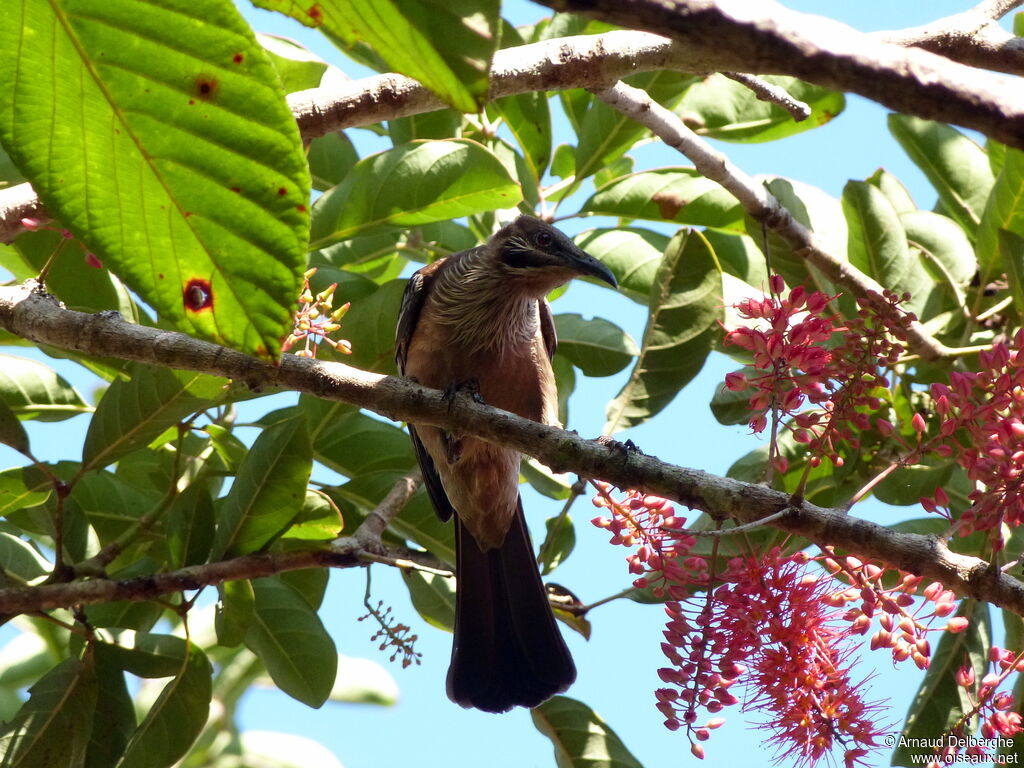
(479, 319)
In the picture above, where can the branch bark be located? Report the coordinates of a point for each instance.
(37, 317)
(766, 38)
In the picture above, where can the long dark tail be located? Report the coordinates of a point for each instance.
(508, 651)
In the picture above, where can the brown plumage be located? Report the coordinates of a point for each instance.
(479, 318)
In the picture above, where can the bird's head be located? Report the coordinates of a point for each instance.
(537, 257)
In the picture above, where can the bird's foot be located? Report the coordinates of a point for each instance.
(624, 448)
(470, 388)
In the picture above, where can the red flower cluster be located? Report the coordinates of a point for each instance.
(981, 424)
(787, 339)
(904, 621)
(767, 625)
(989, 703)
(316, 320)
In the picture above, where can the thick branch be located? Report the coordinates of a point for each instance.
(973, 37)
(766, 38)
(38, 318)
(756, 199)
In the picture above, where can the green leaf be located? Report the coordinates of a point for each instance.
(440, 124)
(955, 166)
(354, 444)
(597, 347)
(877, 245)
(268, 492)
(190, 525)
(174, 157)
(580, 737)
(559, 542)
(739, 256)
(114, 720)
(948, 254)
(291, 641)
(528, 117)
(1004, 211)
(153, 655)
(135, 412)
(415, 183)
(897, 195)
(1011, 255)
(632, 254)
(111, 504)
(720, 108)
(685, 308)
(605, 133)
(940, 701)
(544, 481)
(234, 613)
(21, 560)
(298, 67)
(331, 157)
(679, 195)
(319, 518)
(176, 718)
(35, 391)
(906, 485)
(53, 727)
(433, 597)
(12, 433)
(447, 46)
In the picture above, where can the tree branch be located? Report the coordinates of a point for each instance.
(765, 91)
(756, 200)
(766, 38)
(973, 37)
(37, 317)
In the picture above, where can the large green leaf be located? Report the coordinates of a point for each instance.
(1004, 211)
(721, 108)
(580, 737)
(53, 727)
(298, 67)
(370, 325)
(632, 254)
(136, 411)
(446, 45)
(269, 490)
(177, 716)
(157, 132)
(20, 560)
(940, 701)
(35, 391)
(878, 247)
(598, 347)
(412, 184)
(291, 641)
(948, 253)
(685, 308)
(114, 720)
(433, 597)
(955, 166)
(678, 195)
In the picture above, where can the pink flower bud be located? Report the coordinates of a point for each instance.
(776, 284)
(918, 423)
(32, 225)
(958, 624)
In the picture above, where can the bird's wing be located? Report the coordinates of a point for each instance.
(415, 295)
(547, 328)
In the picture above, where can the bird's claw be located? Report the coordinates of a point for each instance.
(469, 388)
(625, 448)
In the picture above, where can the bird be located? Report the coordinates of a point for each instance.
(479, 319)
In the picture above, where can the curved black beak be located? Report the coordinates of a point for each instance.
(586, 264)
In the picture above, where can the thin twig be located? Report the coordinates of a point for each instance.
(730, 531)
(773, 94)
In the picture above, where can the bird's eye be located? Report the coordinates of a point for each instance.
(543, 239)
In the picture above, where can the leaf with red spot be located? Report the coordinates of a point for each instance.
(167, 158)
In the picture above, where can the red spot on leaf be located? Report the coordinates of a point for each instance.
(300, 208)
(238, 58)
(282, 191)
(236, 190)
(198, 295)
(191, 102)
(316, 14)
(206, 87)
(92, 261)
(187, 214)
(160, 275)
